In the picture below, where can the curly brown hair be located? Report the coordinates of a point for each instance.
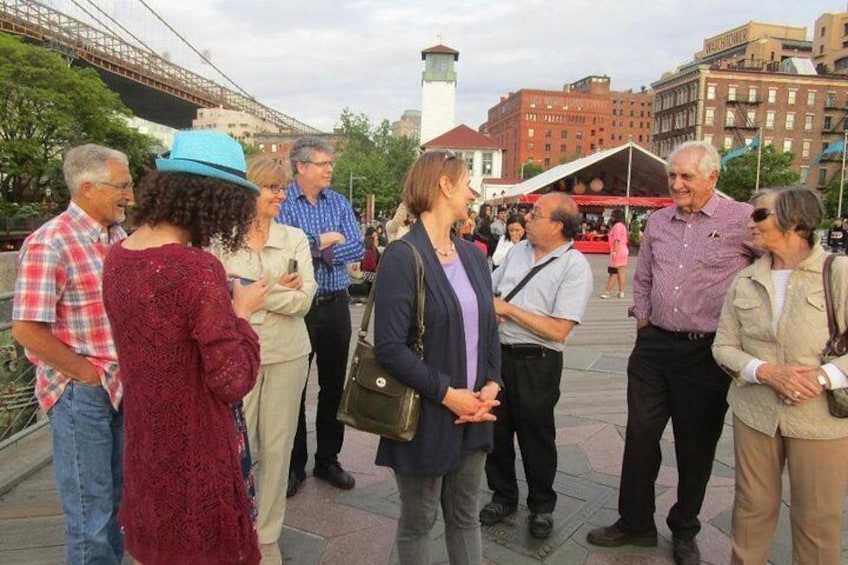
(207, 207)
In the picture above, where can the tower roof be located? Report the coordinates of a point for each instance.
(440, 50)
(462, 137)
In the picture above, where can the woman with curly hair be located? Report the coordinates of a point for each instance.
(187, 355)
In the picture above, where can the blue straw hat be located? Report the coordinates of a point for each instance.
(208, 154)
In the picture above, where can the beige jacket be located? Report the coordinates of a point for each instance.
(746, 332)
(282, 331)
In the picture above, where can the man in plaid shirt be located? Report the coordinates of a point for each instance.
(59, 318)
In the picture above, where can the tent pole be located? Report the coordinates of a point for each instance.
(629, 167)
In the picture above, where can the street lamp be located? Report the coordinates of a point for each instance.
(350, 186)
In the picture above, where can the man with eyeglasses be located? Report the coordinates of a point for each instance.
(689, 254)
(331, 228)
(58, 316)
(535, 317)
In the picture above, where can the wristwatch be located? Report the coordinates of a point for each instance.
(822, 378)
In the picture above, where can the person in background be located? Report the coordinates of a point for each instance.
(771, 335)
(334, 241)
(59, 317)
(188, 356)
(515, 233)
(459, 377)
(689, 255)
(382, 239)
(499, 224)
(280, 255)
(371, 259)
(619, 252)
(483, 230)
(837, 237)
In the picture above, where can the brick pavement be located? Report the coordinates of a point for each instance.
(328, 526)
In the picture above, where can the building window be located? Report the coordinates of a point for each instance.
(709, 116)
(564, 134)
(547, 133)
(547, 148)
(487, 163)
(768, 142)
(830, 100)
(791, 95)
(752, 94)
(579, 134)
(790, 120)
(751, 118)
(822, 177)
(787, 145)
(811, 98)
(547, 161)
(262, 147)
(562, 148)
(828, 122)
(731, 93)
(728, 142)
(770, 119)
(531, 132)
(808, 122)
(531, 146)
(772, 95)
(708, 138)
(273, 148)
(805, 148)
(711, 91)
(729, 118)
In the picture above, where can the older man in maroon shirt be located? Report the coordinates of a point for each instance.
(688, 256)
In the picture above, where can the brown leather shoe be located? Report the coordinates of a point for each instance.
(686, 552)
(614, 536)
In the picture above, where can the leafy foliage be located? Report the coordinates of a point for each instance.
(739, 179)
(375, 160)
(530, 170)
(46, 106)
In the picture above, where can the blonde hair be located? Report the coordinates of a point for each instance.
(422, 181)
(264, 171)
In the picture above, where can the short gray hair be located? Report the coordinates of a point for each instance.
(796, 208)
(302, 148)
(709, 161)
(89, 163)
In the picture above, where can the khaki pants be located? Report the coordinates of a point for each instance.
(818, 475)
(271, 411)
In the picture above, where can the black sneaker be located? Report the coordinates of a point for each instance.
(541, 525)
(335, 475)
(295, 480)
(495, 512)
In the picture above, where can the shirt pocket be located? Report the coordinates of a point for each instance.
(751, 316)
(83, 289)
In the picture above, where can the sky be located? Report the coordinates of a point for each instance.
(311, 59)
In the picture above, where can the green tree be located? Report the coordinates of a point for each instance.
(46, 106)
(530, 170)
(739, 179)
(371, 160)
(831, 198)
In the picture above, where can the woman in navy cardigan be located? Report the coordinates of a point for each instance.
(459, 377)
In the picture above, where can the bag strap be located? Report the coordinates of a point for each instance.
(420, 294)
(533, 273)
(828, 295)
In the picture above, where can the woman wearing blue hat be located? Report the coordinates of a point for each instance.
(187, 353)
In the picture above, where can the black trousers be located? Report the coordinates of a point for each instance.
(528, 399)
(328, 324)
(670, 377)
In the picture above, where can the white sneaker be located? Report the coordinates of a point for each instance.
(621, 295)
(271, 554)
(605, 295)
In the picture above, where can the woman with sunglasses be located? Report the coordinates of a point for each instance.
(280, 256)
(771, 335)
(459, 376)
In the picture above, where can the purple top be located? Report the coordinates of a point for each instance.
(687, 262)
(458, 279)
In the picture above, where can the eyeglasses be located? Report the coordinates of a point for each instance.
(321, 164)
(760, 214)
(276, 189)
(129, 185)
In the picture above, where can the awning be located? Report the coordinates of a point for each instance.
(585, 200)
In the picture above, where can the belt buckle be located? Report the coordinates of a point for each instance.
(695, 336)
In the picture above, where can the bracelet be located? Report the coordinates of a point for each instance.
(823, 378)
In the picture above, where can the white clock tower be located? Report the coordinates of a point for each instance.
(438, 91)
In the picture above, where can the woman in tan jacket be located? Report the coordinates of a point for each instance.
(770, 338)
(280, 255)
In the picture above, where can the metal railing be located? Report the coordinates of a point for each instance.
(18, 406)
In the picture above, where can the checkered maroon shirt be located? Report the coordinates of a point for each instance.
(59, 275)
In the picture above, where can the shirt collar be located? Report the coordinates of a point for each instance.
(277, 236)
(296, 193)
(708, 209)
(85, 223)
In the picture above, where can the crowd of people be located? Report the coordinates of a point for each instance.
(172, 362)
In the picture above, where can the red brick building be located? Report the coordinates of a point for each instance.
(549, 127)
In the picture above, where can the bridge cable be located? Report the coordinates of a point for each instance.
(198, 53)
(113, 20)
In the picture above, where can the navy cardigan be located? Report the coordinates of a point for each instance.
(439, 443)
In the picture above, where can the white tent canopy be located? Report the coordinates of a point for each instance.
(626, 170)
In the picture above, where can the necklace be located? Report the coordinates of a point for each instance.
(447, 252)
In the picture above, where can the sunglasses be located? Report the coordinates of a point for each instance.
(760, 214)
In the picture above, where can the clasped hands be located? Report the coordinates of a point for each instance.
(470, 406)
(794, 384)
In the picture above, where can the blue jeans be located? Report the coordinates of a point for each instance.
(88, 448)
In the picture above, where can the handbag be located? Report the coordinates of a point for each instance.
(837, 344)
(373, 400)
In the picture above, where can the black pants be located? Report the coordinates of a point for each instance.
(677, 378)
(528, 399)
(328, 324)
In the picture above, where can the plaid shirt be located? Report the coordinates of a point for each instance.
(59, 275)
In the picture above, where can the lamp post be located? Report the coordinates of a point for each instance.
(350, 186)
(529, 161)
